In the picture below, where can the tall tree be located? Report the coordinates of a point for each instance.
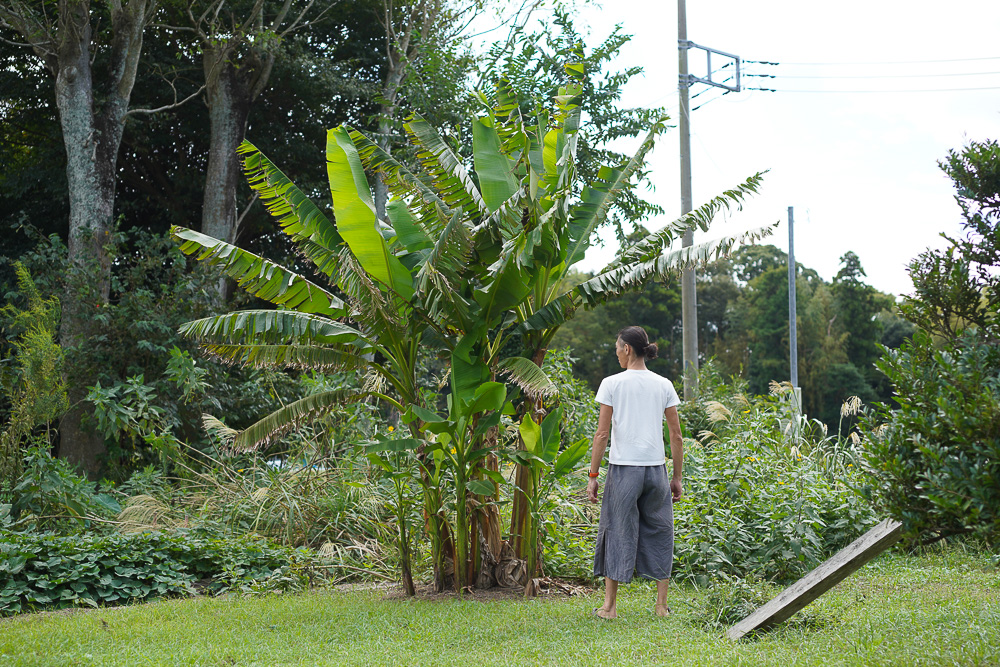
(238, 43)
(93, 54)
(858, 305)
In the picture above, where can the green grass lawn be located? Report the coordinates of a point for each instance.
(935, 609)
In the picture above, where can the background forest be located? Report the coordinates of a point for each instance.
(156, 415)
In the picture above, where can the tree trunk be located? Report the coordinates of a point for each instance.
(231, 86)
(393, 80)
(92, 134)
(228, 110)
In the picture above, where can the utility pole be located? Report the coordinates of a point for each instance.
(689, 300)
(793, 343)
(792, 334)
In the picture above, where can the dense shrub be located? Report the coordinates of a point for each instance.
(934, 463)
(48, 571)
(762, 502)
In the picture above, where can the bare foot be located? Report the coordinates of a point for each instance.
(661, 610)
(601, 612)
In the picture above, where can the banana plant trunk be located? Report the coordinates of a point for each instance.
(524, 527)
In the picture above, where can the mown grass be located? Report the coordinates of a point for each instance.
(942, 608)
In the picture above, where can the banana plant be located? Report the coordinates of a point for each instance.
(527, 172)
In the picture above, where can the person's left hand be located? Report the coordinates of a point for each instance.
(676, 489)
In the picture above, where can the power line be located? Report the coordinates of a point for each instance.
(922, 90)
(867, 76)
(889, 62)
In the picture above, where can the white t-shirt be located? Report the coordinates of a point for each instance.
(639, 399)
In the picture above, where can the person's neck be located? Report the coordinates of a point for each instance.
(636, 364)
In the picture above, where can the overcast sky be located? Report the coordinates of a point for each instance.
(860, 168)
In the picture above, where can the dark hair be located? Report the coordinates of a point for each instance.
(637, 338)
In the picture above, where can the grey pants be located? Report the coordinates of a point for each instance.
(636, 532)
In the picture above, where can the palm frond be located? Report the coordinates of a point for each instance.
(269, 327)
(258, 276)
(288, 356)
(526, 374)
(292, 415)
(297, 215)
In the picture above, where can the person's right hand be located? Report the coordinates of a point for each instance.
(592, 489)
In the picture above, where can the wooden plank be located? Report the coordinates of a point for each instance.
(827, 575)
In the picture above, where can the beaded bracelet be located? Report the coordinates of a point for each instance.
(594, 474)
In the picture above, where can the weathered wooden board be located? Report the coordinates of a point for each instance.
(827, 575)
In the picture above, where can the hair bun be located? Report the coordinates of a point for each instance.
(650, 351)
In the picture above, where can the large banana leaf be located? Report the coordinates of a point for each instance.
(451, 179)
(270, 327)
(410, 234)
(355, 213)
(493, 167)
(401, 181)
(258, 276)
(298, 216)
(286, 418)
(440, 276)
(288, 356)
(617, 280)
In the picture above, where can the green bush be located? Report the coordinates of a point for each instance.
(52, 495)
(48, 571)
(934, 463)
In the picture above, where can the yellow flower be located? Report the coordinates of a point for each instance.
(780, 482)
(850, 465)
(391, 429)
(240, 470)
(746, 412)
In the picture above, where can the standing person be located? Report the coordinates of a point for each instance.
(636, 531)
